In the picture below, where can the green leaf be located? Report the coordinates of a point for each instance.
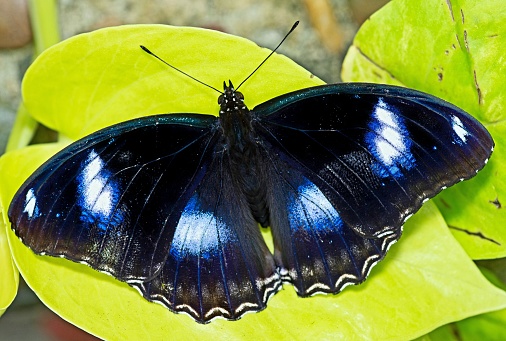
(488, 327)
(43, 20)
(418, 284)
(9, 280)
(425, 281)
(105, 77)
(454, 50)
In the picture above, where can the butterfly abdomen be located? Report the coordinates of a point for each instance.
(248, 174)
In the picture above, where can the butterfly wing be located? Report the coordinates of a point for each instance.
(353, 162)
(93, 201)
(316, 250)
(218, 263)
(150, 202)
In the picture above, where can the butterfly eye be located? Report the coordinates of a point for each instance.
(220, 99)
(239, 96)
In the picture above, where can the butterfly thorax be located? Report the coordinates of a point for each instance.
(242, 151)
(235, 120)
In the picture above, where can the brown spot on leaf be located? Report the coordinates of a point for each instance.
(477, 234)
(445, 204)
(455, 331)
(478, 90)
(465, 40)
(496, 203)
(450, 8)
(439, 71)
(375, 64)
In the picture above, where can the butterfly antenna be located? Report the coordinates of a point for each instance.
(270, 54)
(175, 68)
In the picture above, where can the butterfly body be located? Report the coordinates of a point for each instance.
(170, 204)
(242, 149)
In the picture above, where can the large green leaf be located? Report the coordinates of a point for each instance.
(426, 281)
(104, 77)
(454, 50)
(489, 327)
(417, 288)
(10, 277)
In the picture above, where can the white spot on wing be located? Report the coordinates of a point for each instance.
(321, 206)
(94, 189)
(31, 204)
(459, 129)
(98, 194)
(390, 143)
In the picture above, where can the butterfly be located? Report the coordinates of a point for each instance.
(171, 204)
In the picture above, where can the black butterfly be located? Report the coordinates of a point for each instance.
(170, 204)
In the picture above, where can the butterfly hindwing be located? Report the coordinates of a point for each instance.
(218, 263)
(354, 161)
(316, 250)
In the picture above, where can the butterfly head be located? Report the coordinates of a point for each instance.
(231, 101)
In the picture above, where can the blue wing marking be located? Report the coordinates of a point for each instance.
(309, 204)
(198, 233)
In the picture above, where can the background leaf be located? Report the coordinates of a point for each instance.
(454, 50)
(9, 280)
(104, 77)
(417, 288)
(488, 327)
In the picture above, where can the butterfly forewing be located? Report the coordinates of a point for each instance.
(111, 199)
